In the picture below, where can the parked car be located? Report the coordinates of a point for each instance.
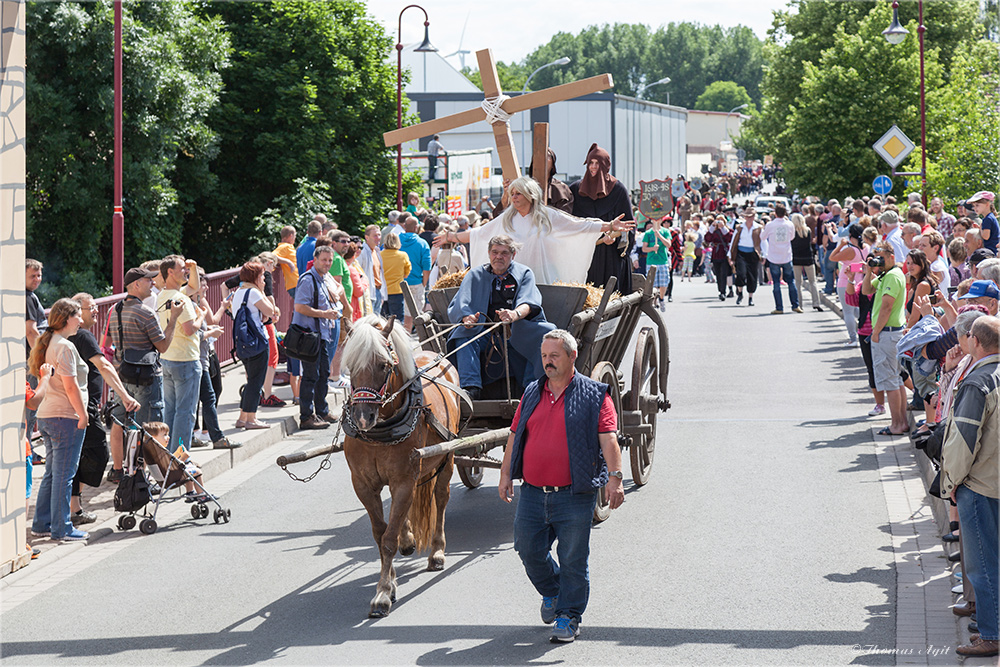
(764, 204)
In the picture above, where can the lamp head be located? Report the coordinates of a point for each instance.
(426, 46)
(895, 33)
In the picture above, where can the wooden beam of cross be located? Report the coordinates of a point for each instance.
(501, 130)
(540, 158)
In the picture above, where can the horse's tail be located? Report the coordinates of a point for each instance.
(423, 509)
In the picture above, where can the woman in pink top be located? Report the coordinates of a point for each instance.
(849, 251)
(360, 301)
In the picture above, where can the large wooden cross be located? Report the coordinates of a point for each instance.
(501, 130)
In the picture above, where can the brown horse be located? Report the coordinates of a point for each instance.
(383, 426)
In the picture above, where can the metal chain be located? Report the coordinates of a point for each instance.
(323, 465)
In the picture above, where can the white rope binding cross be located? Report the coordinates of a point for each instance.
(494, 112)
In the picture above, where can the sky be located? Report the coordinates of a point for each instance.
(515, 28)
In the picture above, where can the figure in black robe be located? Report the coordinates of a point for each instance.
(601, 195)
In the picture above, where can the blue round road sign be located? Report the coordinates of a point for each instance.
(882, 185)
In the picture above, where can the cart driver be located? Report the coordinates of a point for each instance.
(501, 291)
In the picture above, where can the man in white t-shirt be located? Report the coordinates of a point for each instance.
(778, 234)
(931, 243)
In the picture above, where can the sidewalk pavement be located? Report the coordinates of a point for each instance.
(212, 462)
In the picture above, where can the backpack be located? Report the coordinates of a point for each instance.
(248, 339)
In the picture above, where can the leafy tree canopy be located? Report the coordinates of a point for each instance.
(692, 55)
(172, 63)
(723, 96)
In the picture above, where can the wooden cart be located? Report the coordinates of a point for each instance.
(604, 338)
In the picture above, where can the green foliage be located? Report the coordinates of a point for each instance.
(963, 119)
(308, 96)
(172, 60)
(512, 76)
(295, 208)
(723, 96)
(831, 129)
(692, 55)
(800, 35)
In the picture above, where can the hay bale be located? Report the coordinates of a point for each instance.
(594, 294)
(450, 280)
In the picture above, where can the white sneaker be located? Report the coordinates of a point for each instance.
(879, 409)
(341, 383)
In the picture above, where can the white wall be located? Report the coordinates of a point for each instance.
(651, 141)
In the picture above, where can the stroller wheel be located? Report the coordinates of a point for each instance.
(203, 509)
(222, 516)
(147, 527)
(195, 511)
(127, 522)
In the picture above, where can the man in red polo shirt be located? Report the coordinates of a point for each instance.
(564, 446)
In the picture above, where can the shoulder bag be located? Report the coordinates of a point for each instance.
(138, 367)
(301, 342)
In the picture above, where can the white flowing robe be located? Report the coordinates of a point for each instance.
(563, 254)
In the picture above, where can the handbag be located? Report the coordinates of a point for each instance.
(133, 492)
(94, 455)
(301, 342)
(138, 367)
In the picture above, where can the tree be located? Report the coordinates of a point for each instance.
(310, 93)
(964, 121)
(691, 55)
(830, 134)
(722, 96)
(800, 35)
(512, 76)
(171, 79)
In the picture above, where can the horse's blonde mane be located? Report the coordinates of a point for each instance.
(366, 346)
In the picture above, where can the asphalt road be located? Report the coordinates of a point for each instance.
(761, 538)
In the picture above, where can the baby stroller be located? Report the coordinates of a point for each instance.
(166, 468)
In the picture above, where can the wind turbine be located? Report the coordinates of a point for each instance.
(461, 53)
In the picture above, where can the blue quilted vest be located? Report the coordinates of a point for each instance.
(582, 400)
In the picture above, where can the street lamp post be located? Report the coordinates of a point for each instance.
(730, 113)
(561, 61)
(118, 217)
(635, 111)
(425, 47)
(895, 34)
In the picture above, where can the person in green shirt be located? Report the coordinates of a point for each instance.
(656, 245)
(884, 281)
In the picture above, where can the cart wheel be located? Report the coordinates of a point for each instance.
(195, 512)
(643, 396)
(120, 526)
(128, 522)
(203, 509)
(471, 477)
(147, 527)
(605, 372)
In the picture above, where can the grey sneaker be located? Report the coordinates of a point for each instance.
(82, 517)
(225, 443)
(566, 629)
(549, 609)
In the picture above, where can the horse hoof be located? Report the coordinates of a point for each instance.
(435, 564)
(377, 613)
(408, 551)
(392, 597)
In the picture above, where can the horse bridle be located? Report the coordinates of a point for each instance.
(377, 396)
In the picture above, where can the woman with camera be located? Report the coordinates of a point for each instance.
(851, 253)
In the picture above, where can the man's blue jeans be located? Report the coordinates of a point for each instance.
(543, 518)
(63, 444)
(181, 389)
(313, 389)
(979, 516)
(150, 399)
(209, 412)
(784, 272)
(829, 274)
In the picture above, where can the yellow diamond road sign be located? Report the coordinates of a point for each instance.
(894, 146)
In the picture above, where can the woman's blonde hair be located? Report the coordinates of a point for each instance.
(391, 241)
(62, 310)
(801, 228)
(529, 188)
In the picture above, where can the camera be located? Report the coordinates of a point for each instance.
(876, 262)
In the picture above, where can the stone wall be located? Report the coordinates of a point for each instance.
(12, 208)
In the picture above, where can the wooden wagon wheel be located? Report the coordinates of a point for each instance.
(605, 372)
(643, 396)
(471, 477)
